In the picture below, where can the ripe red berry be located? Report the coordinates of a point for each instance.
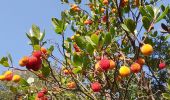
(104, 64)
(162, 65)
(32, 60)
(44, 90)
(37, 54)
(40, 94)
(104, 18)
(96, 86)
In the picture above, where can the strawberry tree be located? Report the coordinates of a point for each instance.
(119, 49)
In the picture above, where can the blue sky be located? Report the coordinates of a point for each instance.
(16, 19)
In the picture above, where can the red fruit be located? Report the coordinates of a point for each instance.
(36, 67)
(104, 18)
(77, 49)
(135, 67)
(44, 90)
(162, 65)
(104, 64)
(32, 60)
(40, 94)
(37, 54)
(96, 86)
(8, 77)
(44, 98)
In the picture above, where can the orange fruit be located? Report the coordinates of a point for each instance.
(135, 68)
(112, 64)
(71, 85)
(124, 71)
(146, 49)
(140, 61)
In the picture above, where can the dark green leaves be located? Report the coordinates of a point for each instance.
(59, 25)
(35, 36)
(150, 11)
(130, 24)
(163, 14)
(107, 39)
(23, 82)
(146, 22)
(77, 70)
(77, 60)
(64, 1)
(77, 1)
(80, 41)
(45, 71)
(4, 62)
(95, 38)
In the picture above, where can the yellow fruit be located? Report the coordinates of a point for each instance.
(124, 71)
(16, 78)
(102, 10)
(97, 67)
(146, 49)
(2, 77)
(7, 73)
(112, 64)
(114, 10)
(77, 35)
(72, 37)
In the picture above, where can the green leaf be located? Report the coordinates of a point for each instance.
(13, 89)
(77, 60)
(64, 1)
(36, 31)
(150, 10)
(131, 25)
(124, 27)
(107, 39)
(42, 36)
(60, 25)
(166, 95)
(89, 48)
(143, 11)
(80, 41)
(146, 22)
(77, 70)
(162, 15)
(51, 49)
(36, 47)
(77, 1)
(88, 39)
(4, 62)
(45, 71)
(95, 38)
(23, 82)
(10, 58)
(112, 31)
